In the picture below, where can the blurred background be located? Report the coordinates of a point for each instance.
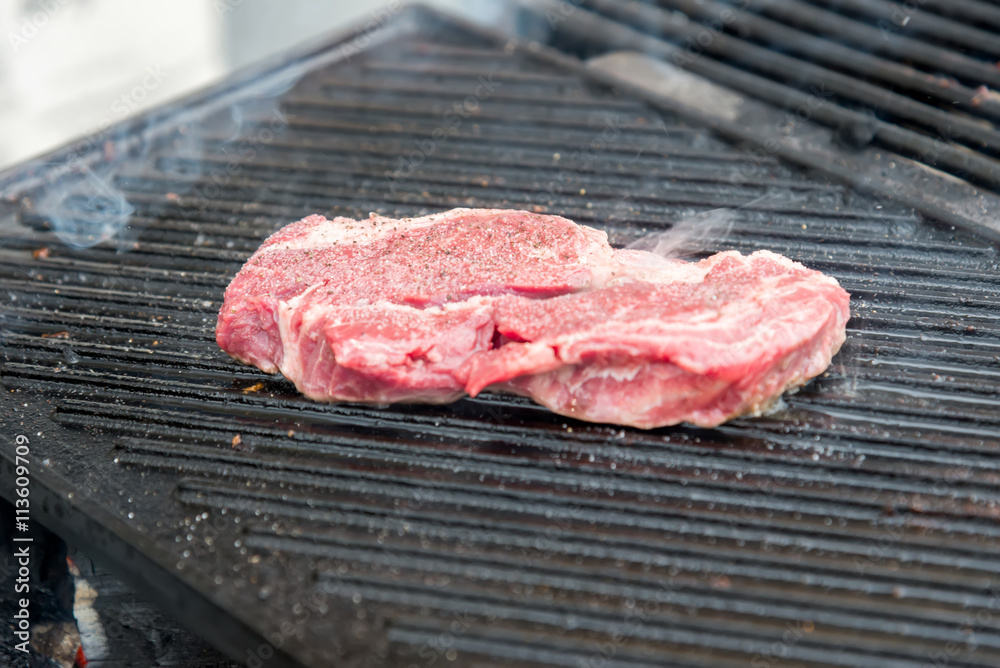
(67, 66)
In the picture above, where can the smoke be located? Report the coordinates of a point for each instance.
(689, 236)
(86, 209)
(163, 155)
(85, 199)
(705, 231)
(177, 160)
(180, 159)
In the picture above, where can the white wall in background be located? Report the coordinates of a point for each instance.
(68, 65)
(258, 28)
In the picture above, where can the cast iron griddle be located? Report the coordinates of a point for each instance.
(856, 527)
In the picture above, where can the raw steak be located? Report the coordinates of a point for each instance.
(429, 309)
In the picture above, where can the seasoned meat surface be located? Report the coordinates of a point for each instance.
(430, 309)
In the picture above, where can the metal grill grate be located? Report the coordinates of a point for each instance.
(858, 527)
(926, 84)
(906, 108)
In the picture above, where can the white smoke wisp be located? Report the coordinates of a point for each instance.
(704, 231)
(689, 236)
(88, 210)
